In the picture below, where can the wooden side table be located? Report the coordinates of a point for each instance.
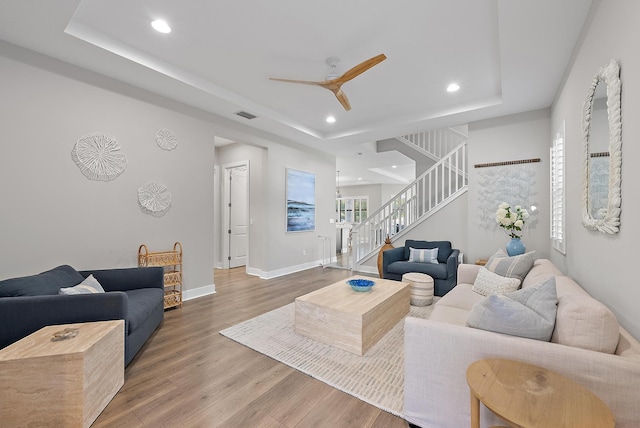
(528, 396)
(62, 383)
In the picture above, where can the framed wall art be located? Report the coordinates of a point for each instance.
(301, 200)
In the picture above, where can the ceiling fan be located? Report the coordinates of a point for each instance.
(334, 81)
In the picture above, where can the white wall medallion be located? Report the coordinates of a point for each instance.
(166, 139)
(99, 157)
(154, 198)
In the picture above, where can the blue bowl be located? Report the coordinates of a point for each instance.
(361, 284)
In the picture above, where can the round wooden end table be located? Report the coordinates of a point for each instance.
(528, 396)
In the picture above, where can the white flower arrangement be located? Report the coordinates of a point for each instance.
(511, 220)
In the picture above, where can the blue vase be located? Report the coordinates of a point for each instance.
(515, 247)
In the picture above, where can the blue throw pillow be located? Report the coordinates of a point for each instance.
(529, 312)
(45, 283)
(444, 248)
(423, 256)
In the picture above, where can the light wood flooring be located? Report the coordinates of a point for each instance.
(188, 375)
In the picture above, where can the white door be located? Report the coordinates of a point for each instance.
(237, 225)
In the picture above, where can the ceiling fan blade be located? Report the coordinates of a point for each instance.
(342, 97)
(335, 84)
(360, 68)
(303, 82)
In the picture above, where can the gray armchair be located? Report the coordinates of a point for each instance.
(395, 263)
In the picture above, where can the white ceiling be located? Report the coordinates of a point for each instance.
(508, 56)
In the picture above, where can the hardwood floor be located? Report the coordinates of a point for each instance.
(188, 375)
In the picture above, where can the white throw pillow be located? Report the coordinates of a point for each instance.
(88, 286)
(584, 322)
(423, 255)
(488, 283)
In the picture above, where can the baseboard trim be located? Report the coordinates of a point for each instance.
(254, 272)
(292, 269)
(367, 269)
(198, 292)
(284, 271)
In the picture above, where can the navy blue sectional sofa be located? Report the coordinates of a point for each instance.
(135, 295)
(395, 263)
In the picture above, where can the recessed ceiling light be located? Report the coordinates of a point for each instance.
(453, 87)
(359, 178)
(161, 26)
(394, 166)
(330, 119)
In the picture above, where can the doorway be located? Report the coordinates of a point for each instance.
(235, 227)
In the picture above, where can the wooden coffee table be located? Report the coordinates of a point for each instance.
(533, 397)
(351, 320)
(62, 383)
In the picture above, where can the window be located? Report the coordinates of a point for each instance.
(558, 231)
(352, 209)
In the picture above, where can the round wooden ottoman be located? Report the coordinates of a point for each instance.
(421, 288)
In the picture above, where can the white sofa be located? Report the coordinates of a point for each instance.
(439, 350)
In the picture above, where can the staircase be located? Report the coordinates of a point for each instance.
(434, 189)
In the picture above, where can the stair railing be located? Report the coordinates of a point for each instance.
(436, 142)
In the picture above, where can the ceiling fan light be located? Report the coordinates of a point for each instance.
(333, 64)
(330, 119)
(161, 26)
(454, 87)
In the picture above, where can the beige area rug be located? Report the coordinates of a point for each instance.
(377, 377)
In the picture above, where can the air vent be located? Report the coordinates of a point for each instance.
(246, 115)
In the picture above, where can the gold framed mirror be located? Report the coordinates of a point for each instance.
(602, 151)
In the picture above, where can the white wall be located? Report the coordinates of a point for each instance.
(509, 138)
(287, 252)
(388, 191)
(273, 251)
(604, 264)
(51, 214)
